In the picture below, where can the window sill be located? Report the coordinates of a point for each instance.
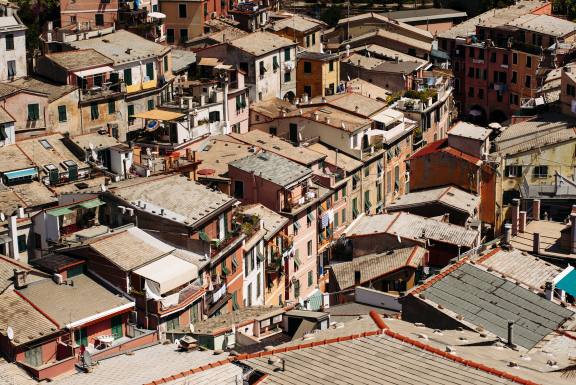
(309, 257)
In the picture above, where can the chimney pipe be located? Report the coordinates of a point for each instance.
(171, 161)
(510, 333)
(327, 119)
(357, 279)
(447, 217)
(189, 154)
(323, 100)
(536, 210)
(315, 115)
(357, 109)
(166, 164)
(282, 113)
(508, 236)
(20, 212)
(536, 243)
(13, 233)
(347, 50)
(397, 58)
(549, 290)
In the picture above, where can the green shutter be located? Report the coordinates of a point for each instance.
(286, 54)
(343, 216)
(243, 100)
(165, 63)
(310, 278)
(94, 110)
(111, 106)
(73, 173)
(313, 38)
(519, 171)
(3, 135)
(235, 305)
(506, 171)
(117, 326)
(33, 112)
(150, 70)
(297, 225)
(331, 66)
(275, 64)
(390, 154)
(402, 285)
(128, 76)
(336, 196)
(22, 243)
(202, 235)
(335, 220)
(308, 41)
(297, 260)
(150, 105)
(505, 197)
(130, 110)
(114, 77)
(238, 103)
(62, 113)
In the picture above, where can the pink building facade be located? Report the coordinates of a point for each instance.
(238, 102)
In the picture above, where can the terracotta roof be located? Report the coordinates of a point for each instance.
(78, 59)
(273, 222)
(344, 161)
(442, 146)
(449, 196)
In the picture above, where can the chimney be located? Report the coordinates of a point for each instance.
(536, 210)
(397, 59)
(549, 290)
(522, 222)
(315, 115)
(359, 62)
(536, 243)
(20, 212)
(166, 164)
(171, 161)
(327, 119)
(447, 217)
(189, 154)
(510, 333)
(13, 233)
(508, 235)
(282, 113)
(347, 50)
(357, 109)
(161, 212)
(515, 215)
(357, 279)
(323, 100)
(20, 278)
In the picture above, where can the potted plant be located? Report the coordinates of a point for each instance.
(321, 308)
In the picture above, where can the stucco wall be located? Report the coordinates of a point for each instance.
(18, 54)
(17, 106)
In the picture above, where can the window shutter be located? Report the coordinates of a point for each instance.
(402, 285)
(111, 106)
(150, 70)
(62, 113)
(519, 171)
(313, 38)
(506, 171)
(128, 76)
(94, 110)
(30, 112)
(505, 198)
(286, 53)
(243, 100)
(130, 110)
(343, 216)
(310, 278)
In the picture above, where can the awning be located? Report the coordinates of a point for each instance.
(92, 203)
(93, 71)
(5, 239)
(169, 272)
(59, 212)
(566, 280)
(375, 132)
(158, 115)
(439, 54)
(21, 173)
(157, 15)
(209, 61)
(388, 116)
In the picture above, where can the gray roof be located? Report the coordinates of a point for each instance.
(18, 160)
(78, 59)
(273, 222)
(410, 226)
(182, 59)
(115, 46)
(5, 116)
(155, 363)
(272, 167)
(27, 323)
(392, 66)
(449, 196)
(344, 161)
(469, 130)
(486, 299)
(34, 193)
(7, 89)
(261, 43)
(376, 359)
(373, 266)
(549, 25)
(379, 32)
(86, 298)
(388, 53)
(551, 139)
(54, 262)
(40, 84)
(424, 14)
(184, 201)
(98, 140)
(521, 266)
(9, 202)
(297, 23)
(468, 26)
(318, 56)
(225, 321)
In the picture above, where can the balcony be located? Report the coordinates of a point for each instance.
(218, 296)
(175, 298)
(53, 32)
(219, 247)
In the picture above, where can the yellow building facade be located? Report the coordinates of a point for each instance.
(317, 73)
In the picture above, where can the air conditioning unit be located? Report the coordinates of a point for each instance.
(58, 278)
(122, 209)
(213, 15)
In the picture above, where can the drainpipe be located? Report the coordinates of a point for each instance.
(510, 333)
(13, 233)
(225, 98)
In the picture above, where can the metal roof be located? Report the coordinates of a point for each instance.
(468, 130)
(486, 299)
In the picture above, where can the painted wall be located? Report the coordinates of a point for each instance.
(317, 83)
(194, 20)
(17, 106)
(18, 54)
(72, 125)
(86, 10)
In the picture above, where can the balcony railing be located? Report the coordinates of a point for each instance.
(181, 296)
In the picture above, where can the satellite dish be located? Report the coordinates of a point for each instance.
(91, 146)
(94, 155)
(10, 333)
(87, 358)
(191, 328)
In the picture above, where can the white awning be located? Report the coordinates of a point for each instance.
(169, 272)
(93, 71)
(375, 132)
(388, 116)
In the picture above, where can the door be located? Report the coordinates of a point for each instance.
(150, 71)
(172, 321)
(293, 325)
(221, 227)
(81, 337)
(294, 132)
(117, 327)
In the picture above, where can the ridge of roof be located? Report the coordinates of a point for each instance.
(12, 261)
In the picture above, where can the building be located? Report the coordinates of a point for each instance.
(13, 33)
(305, 30)
(312, 64)
(273, 225)
(27, 109)
(533, 154)
(458, 160)
(251, 15)
(433, 20)
(267, 60)
(391, 271)
(568, 91)
(360, 24)
(185, 19)
(286, 188)
(378, 233)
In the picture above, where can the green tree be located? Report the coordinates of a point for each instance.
(34, 14)
(565, 7)
(332, 15)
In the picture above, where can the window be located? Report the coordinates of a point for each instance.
(331, 66)
(471, 92)
(150, 71)
(537, 39)
(389, 181)
(514, 77)
(62, 113)
(173, 321)
(273, 131)
(280, 300)
(493, 57)
(258, 285)
(184, 35)
(499, 97)
(513, 171)
(150, 105)
(308, 41)
(287, 77)
(500, 77)
(75, 271)
(94, 110)
(37, 241)
(470, 72)
(471, 52)
(214, 116)
(205, 9)
(182, 11)
(343, 191)
(444, 45)
(411, 51)
(310, 278)
(343, 216)
(309, 215)
(286, 54)
(355, 141)
(314, 39)
(22, 245)
(335, 220)
(238, 189)
(539, 172)
(514, 99)
(11, 67)
(262, 68)
(165, 63)
(275, 64)
(456, 66)
(111, 106)
(457, 85)
(367, 170)
(355, 211)
(99, 18)
(247, 263)
(33, 112)
(128, 76)
(528, 61)
(528, 81)
(308, 90)
(307, 67)
(571, 90)
(170, 35)
(33, 356)
(309, 248)
(515, 58)
(505, 59)
(130, 113)
(481, 56)
(155, 8)
(9, 42)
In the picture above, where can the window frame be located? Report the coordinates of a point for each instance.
(180, 11)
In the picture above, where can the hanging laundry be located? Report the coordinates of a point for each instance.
(330, 216)
(324, 220)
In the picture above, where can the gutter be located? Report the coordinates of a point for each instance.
(100, 315)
